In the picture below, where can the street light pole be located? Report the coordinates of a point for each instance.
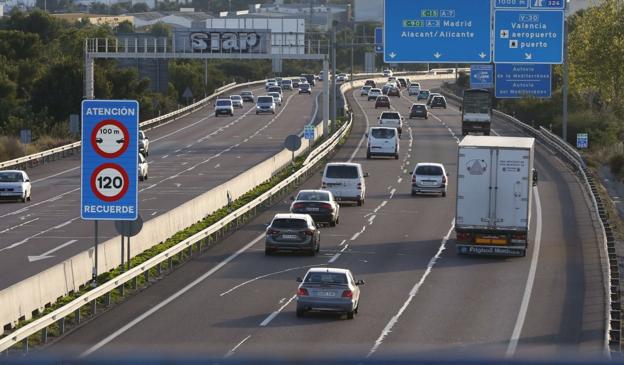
(564, 127)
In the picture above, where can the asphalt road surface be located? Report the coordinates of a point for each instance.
(420, 299)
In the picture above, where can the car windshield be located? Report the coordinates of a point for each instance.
(246, 93)
(224, 102)
(326, 278)
(366, 88)
(383, 133)
(11, 177)
(390, 115)
(431, 170)
(341, 172)
(265, 99)
(320, 196)
(289, 223)
(274, 94)
(304, 86)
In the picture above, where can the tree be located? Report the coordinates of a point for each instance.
(140, 8)
(160, 29)
(124, 27)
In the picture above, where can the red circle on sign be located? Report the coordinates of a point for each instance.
(124, 188)
(124, 131)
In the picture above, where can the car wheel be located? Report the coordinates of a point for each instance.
(24, 199)
(413, 193)
(396, 157)
(29, 196)
(443, 193)
(300, 312)
(318, 246)
(350, 314)
(256, 113)
(273, 112)
(146, 176)
(338, 220)
(360, 202)
(427, 117)
(332, 223)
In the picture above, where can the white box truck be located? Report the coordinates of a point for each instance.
(495, 179)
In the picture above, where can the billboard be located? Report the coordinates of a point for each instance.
(368, 11)
(223, 41)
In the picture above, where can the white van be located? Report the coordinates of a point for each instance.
(383, 141)
(345, 180)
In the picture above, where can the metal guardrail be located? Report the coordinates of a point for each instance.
(21, 335)
(611, 280)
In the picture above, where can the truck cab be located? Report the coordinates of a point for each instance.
(476, 111)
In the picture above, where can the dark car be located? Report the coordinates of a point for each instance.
(385, 89)
(419, 111)
(292, 232)
(430, 97)
(295, 83)
(438, 102)
(319, 204)
(304, 89)
(393, 91)
(403, 82)
(370, 83)
(310, 78)
(382, 102)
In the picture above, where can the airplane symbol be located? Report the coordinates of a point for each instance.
(504, 33)
(437, 55)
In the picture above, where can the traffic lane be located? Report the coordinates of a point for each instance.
(47, 179)
(61, 228)
(244, 267)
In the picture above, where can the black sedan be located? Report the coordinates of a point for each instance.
(419, 111)
(319, 204)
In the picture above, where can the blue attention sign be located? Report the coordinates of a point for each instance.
(379, 40)
(528, 36)
(110, 154)
(520, 80)
(481, 76)
(437, 31)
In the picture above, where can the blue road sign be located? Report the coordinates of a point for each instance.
(110, 154)
(511, 4)
(437, 31)
(582, 140)
(548, 4)
(481, 76)
(519, 80)
(528, 36)
(308, 132)
(379, 40)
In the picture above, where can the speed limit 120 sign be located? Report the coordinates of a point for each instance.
(110, 154)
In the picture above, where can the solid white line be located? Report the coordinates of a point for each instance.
(183, 128)
(233, 350)
(265, 276)
(274, 314)
(336, 256)
(363, 135)
(342, 243)
(58, 248)
(170, 299)
(526, 298)
(395, 319)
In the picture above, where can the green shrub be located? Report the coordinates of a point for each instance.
(616, 163)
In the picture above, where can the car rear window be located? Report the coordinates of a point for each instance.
(265, 99)
(275, 89)
(313, 195)
(418, 107)
(224, 102)
(341, 172)
(326, 278)
(246, 93)
(424, 92)
(274, 94)
(382, 98)
(11, 177)
(235, 97)
(289, 223)
(429, 170)
(390, 115)
(382, 133)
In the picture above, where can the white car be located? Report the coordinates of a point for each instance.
(143, 167)
(265, 104)
(429, 178)
(14, 185)
(383, 141)
(143, 143)
(237, 101)
(276, 96)
(269, 83)
(365, 89)
(224, 106)
(342, 78)
(346, 181)
(414, 89)
(387, 73)
(391, 119)
(374, 93)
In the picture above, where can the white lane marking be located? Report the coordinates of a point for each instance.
(278, 311)
(526, 298)
(17, 244)
(336, 256)
(189, 145)
(399, 180)
(55, 175)
(392, 193)
(17, 226)
(170, 299)
(266, 276)
(383, 203)
(357, 234)
(38, 203)
(233, 350)
(178, 150)
(494, 132)
(217, 166)
(154, 213)
(449, 129)
(165, 156)
(357, 148)
(342, 243)
(371, 219)
(181, 129)
(47, 254)
(395, 319)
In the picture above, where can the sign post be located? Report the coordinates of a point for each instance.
(437, 31)
(110, 150)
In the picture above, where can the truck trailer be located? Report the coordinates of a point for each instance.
(495, 179)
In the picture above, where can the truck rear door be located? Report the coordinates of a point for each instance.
(474, 186)
(512, 188)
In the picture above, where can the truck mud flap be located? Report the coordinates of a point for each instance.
(491, 250)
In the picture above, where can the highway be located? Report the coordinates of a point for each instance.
(186, 158)
(420, 298)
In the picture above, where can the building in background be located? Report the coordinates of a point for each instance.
(112, 20)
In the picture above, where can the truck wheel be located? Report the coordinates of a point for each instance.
(396, 157)
(443, 194)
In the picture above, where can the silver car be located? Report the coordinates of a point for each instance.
(237, 101)
(319, 204)
(328, 289)
(143, 168)
(292, 232)
(429, 178)
(14, 185)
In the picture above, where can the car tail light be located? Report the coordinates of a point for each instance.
(463, 236)
(298, 205)
(308, 232)
(323, 185)
(519, 237)
(272, 231)
(347, 294)
(359, 186)
(443, 179)
(326, 206)
(413, 178)
(302, 292)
